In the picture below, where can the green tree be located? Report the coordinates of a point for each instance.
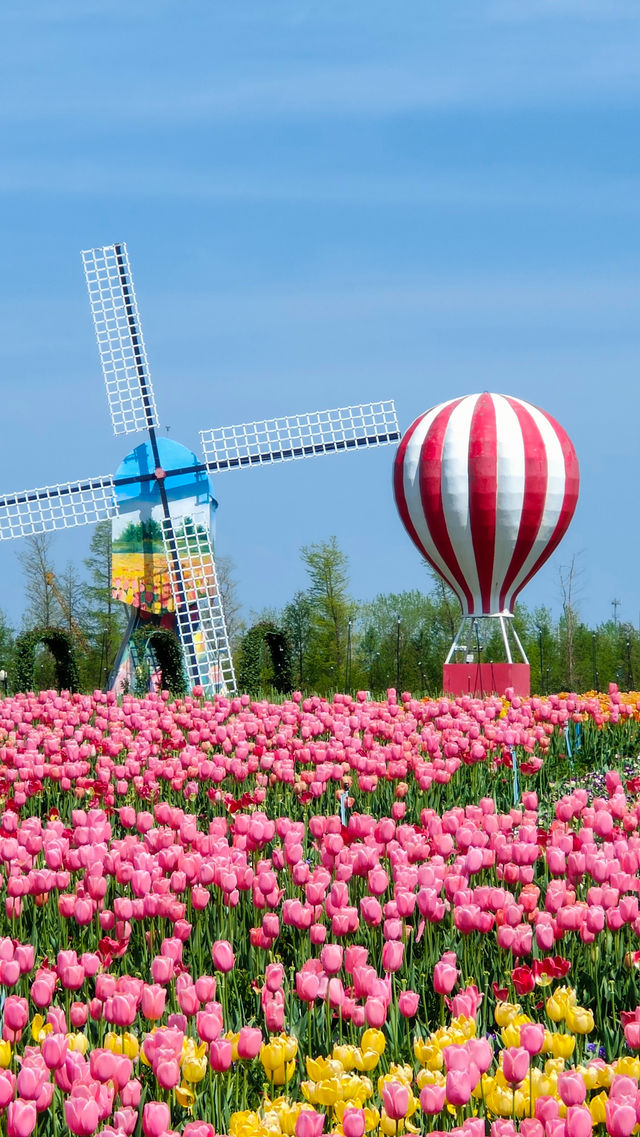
(331, 609)
(298, 623)
(41, 609)
(105, 617)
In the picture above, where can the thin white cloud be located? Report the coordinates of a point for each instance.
(466, 298)
(501, 76)
(468, 188)
(537, 11)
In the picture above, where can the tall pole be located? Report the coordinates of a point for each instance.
(347, 669)
(615, 604)
(476, 628)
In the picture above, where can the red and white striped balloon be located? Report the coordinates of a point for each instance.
(486, 487)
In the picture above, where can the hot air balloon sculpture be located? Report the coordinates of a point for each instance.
(486, 487)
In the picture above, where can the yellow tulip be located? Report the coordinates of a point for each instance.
(247, 1123)
(371, 1120)
(463, 1028)
(373, 1039)
(319, 1068)
(283, 1074)
(429, 1078)
(39, 1028)
(506, 1012)
(597, 1107)
(78, 1042)
(589, 1076)
(233, 1039)
(327, 1092)
(397, 1074)
(345, 1055)
(366, 1060)
(500, 1100)
(628, 1065)
(185, 1096)
(129, 1045)
(579, 1020)
(272, 1054)
(194, 1069)
(562, 1045)
(5, 1053)
(288, 1113)
(555, 1008)
(511, 1033)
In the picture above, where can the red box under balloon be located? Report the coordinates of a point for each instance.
(480, 679)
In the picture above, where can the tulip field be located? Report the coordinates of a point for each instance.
(319, 917)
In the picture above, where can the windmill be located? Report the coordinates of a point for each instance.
(159, 499)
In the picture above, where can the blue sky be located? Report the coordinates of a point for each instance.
(326, 203)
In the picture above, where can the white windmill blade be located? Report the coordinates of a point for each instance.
(300, 436)
(122, 352)
(199, 613)
(57, 507)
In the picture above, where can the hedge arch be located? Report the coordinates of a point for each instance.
(252, 647)
(168, 653)
(62, 648)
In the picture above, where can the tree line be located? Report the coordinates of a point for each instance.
(333, 641)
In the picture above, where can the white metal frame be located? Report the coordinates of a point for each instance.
(120, 342)
(505, 620)
(198, 614)
(299, 436)
(57, 507)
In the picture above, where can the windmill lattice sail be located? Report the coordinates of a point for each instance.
(123, 355)
(57, 507)
(299, 436)
(198, 607)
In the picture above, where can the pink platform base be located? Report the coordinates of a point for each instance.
(485, 678)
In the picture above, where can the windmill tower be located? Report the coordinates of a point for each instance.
(160, 500)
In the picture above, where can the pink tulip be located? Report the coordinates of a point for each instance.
(353, 1122)
(445, 974)
(156, 1118)
(620, 1117)
(392, 955)
(54, 1050)
(153, 1000)
(309, 1123)
(331, 958)
(249, 1042)
(22, 1118)
(432, 1099)
(408, 1003)
(223, 957)
(571, 1087)
(16, 1012)
(209, 1025)
(532, 1037)
(274, 976)
(220, 1054)
(375, 1011)
(395, 1098)
(578, 1121)
(515, 1064)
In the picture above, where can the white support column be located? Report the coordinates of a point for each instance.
(505, 638)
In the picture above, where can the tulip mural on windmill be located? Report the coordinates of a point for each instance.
(486, 486)
(160, 499)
